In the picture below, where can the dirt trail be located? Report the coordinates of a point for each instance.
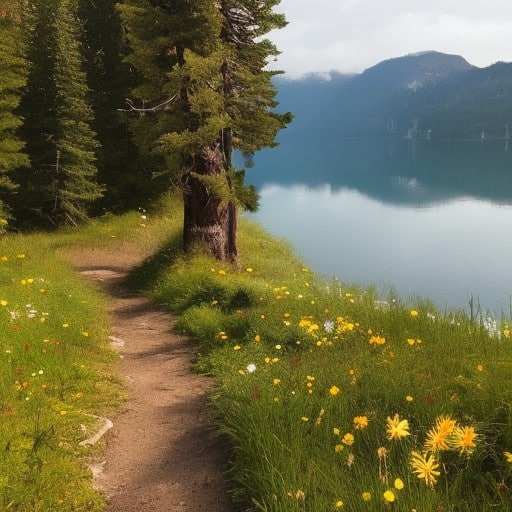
(162, 454)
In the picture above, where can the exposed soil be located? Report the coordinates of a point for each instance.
(162, 454)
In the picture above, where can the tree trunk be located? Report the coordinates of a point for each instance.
(208, 218)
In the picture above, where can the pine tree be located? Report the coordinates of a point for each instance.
(13, 70)
(203, 93)
(60, 185)
(109, 80)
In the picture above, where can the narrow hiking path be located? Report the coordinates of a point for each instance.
(162, 454)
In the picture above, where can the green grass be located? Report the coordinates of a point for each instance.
(297, 359)
(56, 366)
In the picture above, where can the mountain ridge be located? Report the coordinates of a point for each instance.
(426, 94)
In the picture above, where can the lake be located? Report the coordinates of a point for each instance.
(425, 218)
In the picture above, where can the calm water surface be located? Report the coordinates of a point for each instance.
(426, 218)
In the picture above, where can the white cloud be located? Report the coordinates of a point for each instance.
(352, 35)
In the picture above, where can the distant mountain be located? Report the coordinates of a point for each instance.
(423, 94)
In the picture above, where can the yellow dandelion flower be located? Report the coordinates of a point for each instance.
(437, 437)
(334, 390)
(506, 333)
(338, 448)
(3, 302)
(360, 422)
(377, 340)
(348, 439)
(257, 338)
(237, 347)
(463, 439)
(221, 272)
(276, 382)
(397, 428)
(367, 496)
(249, 269)
(425, 468)
(336, 431)
(389, 496)
(413, 313)
(399, 484)
(305, 419)
(409, 398)
(339, 504)
(508, 457)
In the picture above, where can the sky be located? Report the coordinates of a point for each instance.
(352, 35)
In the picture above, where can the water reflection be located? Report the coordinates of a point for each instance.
(427, 217)
(398, 171)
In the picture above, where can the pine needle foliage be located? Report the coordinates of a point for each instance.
(202, 93)
(13, 70)
(60, 185)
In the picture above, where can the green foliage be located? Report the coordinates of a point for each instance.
(13, 70)
(60, 186)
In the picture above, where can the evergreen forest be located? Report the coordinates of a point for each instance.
(104, 105)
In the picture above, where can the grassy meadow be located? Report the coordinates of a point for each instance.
(332, 397)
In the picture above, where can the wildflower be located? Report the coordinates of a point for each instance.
(396, 428)
(3, 302)
(339, 504)
(329, 326)
(399, 484)
(305, 419)
(350, 460)
(336, 431)
(249, 269)
(276, 382)
(425, 468)
(348, 439)
(334, 390)
(437, 437)
(367, 496)
(464, 439)
(221, 272)
(508, 457)
(320, 416)
(377, 340)
(278, 347)
(360, 422)
(506, 333)
(413, 313)
(338, 448)
(237, 347)
(479, 367)
(257, 338)
(251, 368)
(389, 496)
(300, 495)
(409, 398)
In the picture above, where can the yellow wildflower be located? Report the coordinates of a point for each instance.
(396, 428)
(437, 437)
(334, 390)
(348, 439)
(399, 484)
(339, 504)
(367, 496)
(463, 439)
(389, 496)
(508, 456)
(425, 468)
(360, 422)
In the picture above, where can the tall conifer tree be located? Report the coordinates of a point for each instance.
(60, 185)
(203, 93)
(13, 71)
